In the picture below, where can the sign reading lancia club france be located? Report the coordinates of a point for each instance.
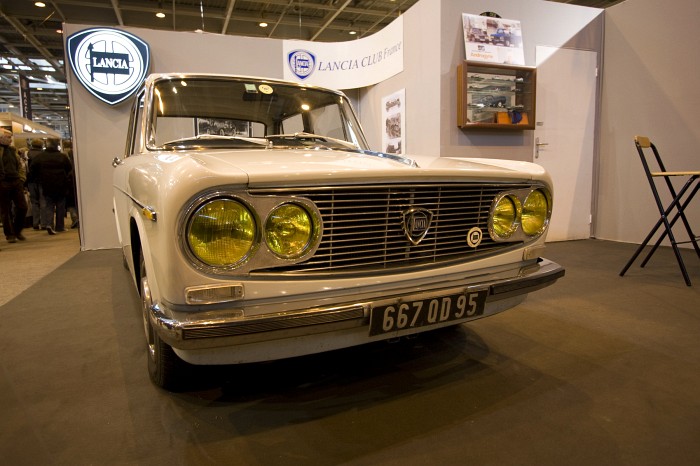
(110, 63)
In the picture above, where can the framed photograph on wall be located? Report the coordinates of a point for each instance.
(495, 40)
(393, 116)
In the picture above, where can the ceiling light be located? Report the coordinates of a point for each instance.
(352, 33)
(160, 14)
(40, 4)
(262, 24)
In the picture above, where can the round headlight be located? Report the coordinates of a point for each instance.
(535, 211)
(505, 216)
(221, 232)
(289, 231)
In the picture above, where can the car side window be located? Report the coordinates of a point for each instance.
(135, 125)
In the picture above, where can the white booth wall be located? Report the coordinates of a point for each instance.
(650, 88)
(433, 47)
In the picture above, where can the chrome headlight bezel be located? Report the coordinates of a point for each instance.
(190, 216)
(519, 198)
(516, 204)
(313, 237)
(259, 256)
(547, 214)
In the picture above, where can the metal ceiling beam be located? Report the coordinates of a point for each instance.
(117, 12)
(229, 10)
(279, 20)
(330, 19)
(376, 23)
(58, 10)
(29, 37)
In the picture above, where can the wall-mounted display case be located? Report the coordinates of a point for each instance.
(495, 96)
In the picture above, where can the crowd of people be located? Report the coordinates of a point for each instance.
(39, 181)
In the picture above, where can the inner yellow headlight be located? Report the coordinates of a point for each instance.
(289, 231)
(535, 211)
(221, 232)
(505, 216)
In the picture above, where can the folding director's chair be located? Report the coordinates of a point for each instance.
(680, 201)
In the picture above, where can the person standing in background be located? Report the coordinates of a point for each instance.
(52, 170)
(36, 147)
(71, 198)
(11, 189)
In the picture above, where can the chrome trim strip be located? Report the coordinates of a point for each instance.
(209, 328)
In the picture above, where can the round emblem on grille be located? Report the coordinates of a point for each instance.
(474, 237)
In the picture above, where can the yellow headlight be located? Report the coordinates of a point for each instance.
(505, 216)
(221, 232)
(289, 231)
(535, 211)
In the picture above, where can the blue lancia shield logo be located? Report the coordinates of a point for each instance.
(110, 63)
(302, 63)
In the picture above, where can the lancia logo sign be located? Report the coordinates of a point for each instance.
(110, 63)
(416, 223)
(302, 63)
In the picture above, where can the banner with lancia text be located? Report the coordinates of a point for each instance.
(346, 65)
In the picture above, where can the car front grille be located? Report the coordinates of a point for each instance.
(363, 225)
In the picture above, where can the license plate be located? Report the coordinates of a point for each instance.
(426, 312)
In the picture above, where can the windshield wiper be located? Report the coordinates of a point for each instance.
(311, 136)
(216, 140)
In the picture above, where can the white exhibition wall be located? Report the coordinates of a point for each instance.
(433, 47)
(650, 88)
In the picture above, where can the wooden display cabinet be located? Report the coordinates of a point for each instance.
(494, 96)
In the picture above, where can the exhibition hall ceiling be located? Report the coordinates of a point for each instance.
(31, 40)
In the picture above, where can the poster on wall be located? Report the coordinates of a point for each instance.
(491, 39)
(393, 116)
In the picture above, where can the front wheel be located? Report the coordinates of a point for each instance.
(165, 368)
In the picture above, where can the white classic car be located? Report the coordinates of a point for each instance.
(291, 237)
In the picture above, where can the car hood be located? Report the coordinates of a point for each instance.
(279, 167)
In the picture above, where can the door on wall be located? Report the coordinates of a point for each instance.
(564, 133)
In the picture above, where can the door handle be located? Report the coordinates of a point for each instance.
(539, 144)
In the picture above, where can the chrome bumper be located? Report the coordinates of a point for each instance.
(230, 327)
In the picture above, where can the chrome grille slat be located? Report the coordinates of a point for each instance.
(363, 225)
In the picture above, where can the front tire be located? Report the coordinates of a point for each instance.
(165, 368)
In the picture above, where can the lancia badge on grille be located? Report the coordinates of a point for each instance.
(416, 222)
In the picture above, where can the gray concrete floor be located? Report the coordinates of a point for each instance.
(596, 369)
(25, 262)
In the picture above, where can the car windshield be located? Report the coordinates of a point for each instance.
(209, 113)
